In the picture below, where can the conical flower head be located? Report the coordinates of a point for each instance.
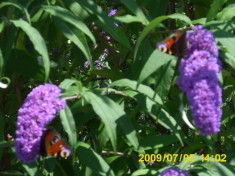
(38, 109)
(199, 79)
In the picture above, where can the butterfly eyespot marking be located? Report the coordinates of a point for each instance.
(65, 153)
(174, 38)
(162, 47)
(54, 140)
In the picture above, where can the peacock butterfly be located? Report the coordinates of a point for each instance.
(175, 44)
(53, 145)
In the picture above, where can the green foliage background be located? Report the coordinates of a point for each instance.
(129, 107)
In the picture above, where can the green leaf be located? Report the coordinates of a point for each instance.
(94, 161)
(215, 6)
(37, 41)
(171, 124)
(31, 168)
(67, 16)
(49, 164)
(154, 62)
(163, 78)
(184, 165)
(127, 19)
(218, 168)
(79, 41)
(68, 123)
(1, 25)
(105, 22)
(227, 13)
(149, 105)
(154, 23)
(17, 5)
(134, 8)
(228, 42)
(112, 115)
(144, 172)
(154, 142)
(79, 11)
(66, 83)
(138, 87)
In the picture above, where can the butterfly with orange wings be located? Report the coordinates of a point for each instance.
(53, 145)
(175, 44)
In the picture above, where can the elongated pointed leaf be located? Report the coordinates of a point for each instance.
(218, 168)
(148, 104)
(68, 123)
(134, 8)
(154, 23)
(138, 87)
(163, 78)
(127, 19)
(66, 83)
(228, 42)
(112, 115)
(227, 13)
(31, 168)
(38, 43)
(215, 6)
(94, 161)
(154, 62)
(67, 16)
(171, 124)
(79, 41)
(18, 6)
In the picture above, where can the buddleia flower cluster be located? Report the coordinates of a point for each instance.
(199, 79)
(173, 171)
(38, 109)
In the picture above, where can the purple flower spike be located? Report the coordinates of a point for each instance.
(199, 79)
(112, 12)
(39, 108)
(201, 39)
(173, 171)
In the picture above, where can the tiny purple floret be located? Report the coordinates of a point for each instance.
(112, 12)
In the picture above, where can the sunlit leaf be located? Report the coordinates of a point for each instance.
(215, 6)
(94, 161)
(112, 116)
(138, 87)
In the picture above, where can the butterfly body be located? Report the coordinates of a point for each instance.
(53, 145)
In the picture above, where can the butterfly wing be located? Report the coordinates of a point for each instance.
(171, 44)
(54, 145)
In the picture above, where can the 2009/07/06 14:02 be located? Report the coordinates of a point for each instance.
(181, 157)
